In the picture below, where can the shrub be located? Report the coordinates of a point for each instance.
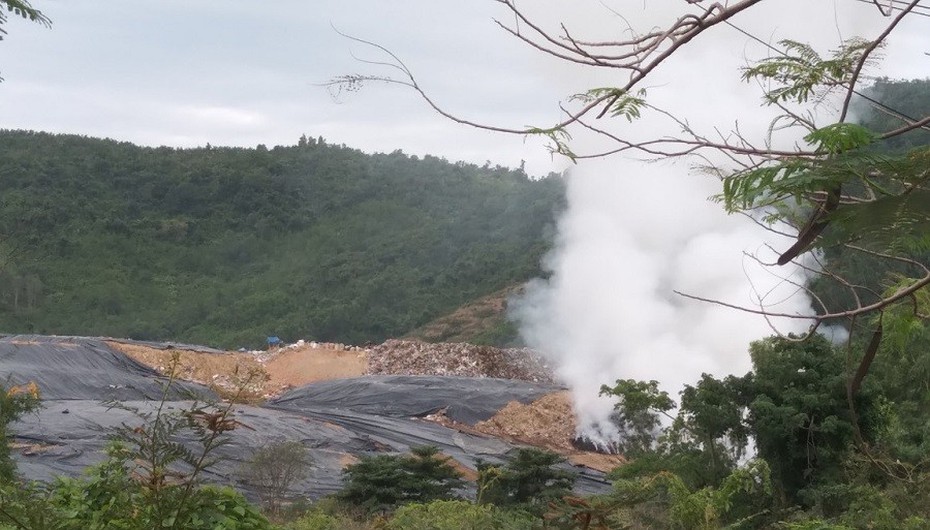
(530, 478)
(274, 469)
(458, 515)
(316, 520)
(383, 482)
(14, 402)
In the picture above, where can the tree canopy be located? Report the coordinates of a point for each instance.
(226, 246)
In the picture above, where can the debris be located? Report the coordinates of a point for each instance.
(547, 422)
(404, 357)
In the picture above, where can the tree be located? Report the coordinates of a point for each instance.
(20, 8)
(530, 479)
(382, 482)
(798, 414)
(638, 411)
(833, 188)
(275, 469)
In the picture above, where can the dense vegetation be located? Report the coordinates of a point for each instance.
(873, 276)
(226, 245)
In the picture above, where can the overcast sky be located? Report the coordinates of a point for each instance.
(231, 72)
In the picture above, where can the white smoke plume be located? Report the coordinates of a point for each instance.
(634, 233)
(608, 310)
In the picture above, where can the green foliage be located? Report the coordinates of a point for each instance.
(226, 246)
(910, 97)
(814, 524)
(663, 500)
(882, 170)
(317, 520)
(801, 73)
(558, 138)
(109, 498)
(458, 515)
(839, 137)
(530, 479)
(380, 483)
(639, 405)
(622, 102)
(22, 9)
(709, 435)
(799, 414)
(810, 472)
(896, 223)
(15, 400)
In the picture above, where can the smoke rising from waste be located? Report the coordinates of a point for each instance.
(608, 310)
(634, 233)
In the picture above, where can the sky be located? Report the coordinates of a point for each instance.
(230, 72)
(190, 72)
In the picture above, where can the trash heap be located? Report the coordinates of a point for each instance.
(549, 421)
(404, 357)
(264, 356)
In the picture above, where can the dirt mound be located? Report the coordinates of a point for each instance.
(403, 357)
(275, 370)
(310, 363)
(549, 421)
(223, 372)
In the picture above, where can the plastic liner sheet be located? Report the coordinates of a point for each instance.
(337, 421)
(65, 437)
(82, 368)
(463, 399)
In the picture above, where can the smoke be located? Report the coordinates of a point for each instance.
(608, 309)
(634, 233)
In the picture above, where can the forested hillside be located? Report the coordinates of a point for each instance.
(225, 246)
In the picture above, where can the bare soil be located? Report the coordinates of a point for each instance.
(222, 372)
(287, 368)
(304, 365)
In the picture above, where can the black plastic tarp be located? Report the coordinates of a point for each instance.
(464, 399)
(337, 422)
(82, 368)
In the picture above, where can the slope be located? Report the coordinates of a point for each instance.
(225, 246)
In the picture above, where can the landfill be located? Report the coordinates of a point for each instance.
(89, 389)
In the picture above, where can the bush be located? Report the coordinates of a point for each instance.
(383, 482)
(274, 469)
(328, 514)
(14, 402)
(458, 515)
(530, 478)
(109, 498)
(316, 520)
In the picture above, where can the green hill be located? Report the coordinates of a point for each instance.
(227, 245)
(482, 321)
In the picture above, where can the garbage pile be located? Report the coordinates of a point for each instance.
(264, 356)
(404, 357)
(549, 421)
